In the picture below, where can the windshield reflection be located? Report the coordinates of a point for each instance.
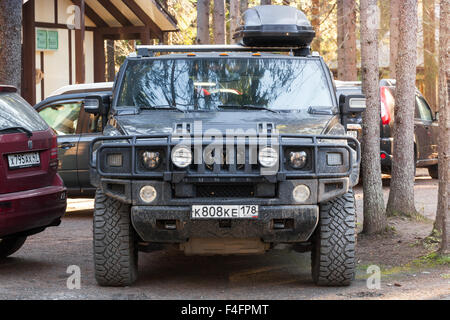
(205, 84)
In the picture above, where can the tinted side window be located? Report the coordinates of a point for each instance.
(16, 112)
(423, 109)
(63, 118)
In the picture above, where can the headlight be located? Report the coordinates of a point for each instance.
(297, 159)
(151, 159)
(334, 159)
(301, 193)
(114, 160)
(148, 194)
(268, 157)
(181, 157)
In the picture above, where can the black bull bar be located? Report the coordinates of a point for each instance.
(319, 144)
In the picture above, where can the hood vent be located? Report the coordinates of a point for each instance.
(266, 128)
(182, 128)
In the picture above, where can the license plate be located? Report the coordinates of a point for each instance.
(23, 160)
(224, 212)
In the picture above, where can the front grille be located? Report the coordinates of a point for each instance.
(236, 160)
(224, 191)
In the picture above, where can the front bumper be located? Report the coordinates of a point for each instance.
(32, 209)
(167, 224)
(322, 190)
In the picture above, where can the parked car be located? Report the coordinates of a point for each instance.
(75, 129)
(160, 182)
(32, 194)
(83, 88)
(425, 126)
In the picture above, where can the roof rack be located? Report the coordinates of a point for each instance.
(150, 50)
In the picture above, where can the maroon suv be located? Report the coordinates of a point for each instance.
(32, 194)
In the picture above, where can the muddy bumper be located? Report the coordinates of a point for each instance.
(170, 224)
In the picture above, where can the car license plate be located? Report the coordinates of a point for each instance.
(23, 160)
(224, 212)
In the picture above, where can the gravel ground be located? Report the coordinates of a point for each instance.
(39, 269)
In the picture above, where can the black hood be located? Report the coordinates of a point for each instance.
(161, 121)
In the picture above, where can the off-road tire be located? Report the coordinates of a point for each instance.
(115, 246)
(334, 241)
(10, 245)
(433, 171)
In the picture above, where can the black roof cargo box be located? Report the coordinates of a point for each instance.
(273, 25)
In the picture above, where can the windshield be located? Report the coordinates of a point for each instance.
(16, 112)
(208, 84)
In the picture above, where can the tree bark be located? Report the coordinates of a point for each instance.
(243, 6)
(401, 196)
(203, 21)
(110, 59)
(315, 22)
(234, 17)
(219, 22)
(10, 43)
(346, 38)
(394, 36)
(374, 215)
(429, 52)
(442, 223)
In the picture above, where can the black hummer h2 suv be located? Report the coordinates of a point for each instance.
(227, 149)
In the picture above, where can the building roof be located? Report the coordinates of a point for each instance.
(130, 13)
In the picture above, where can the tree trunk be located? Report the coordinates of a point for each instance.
(401, 196)
(315, 22)
(374, 215)
(219, 22)
(10, 42)
(263, 2)
(110, 60)
(203, 21)
(346, 37)
(442, 223)
(243, 6)
(429, 52)
(394, 36)
(234, 17)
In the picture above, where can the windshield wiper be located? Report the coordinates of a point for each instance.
(20, 129)
(164, 107)
(320, 110)
(245, 106)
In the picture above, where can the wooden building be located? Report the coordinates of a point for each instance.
(64, 40)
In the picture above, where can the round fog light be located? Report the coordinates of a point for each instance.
(301, 193)
(268, 157)
(148, 193)
(181, 156)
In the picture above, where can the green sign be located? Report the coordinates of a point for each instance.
(41, 39)
(46, 39)
(52, 40)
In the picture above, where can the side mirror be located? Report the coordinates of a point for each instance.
(92, 104)
(352, 103)
(96, 104)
